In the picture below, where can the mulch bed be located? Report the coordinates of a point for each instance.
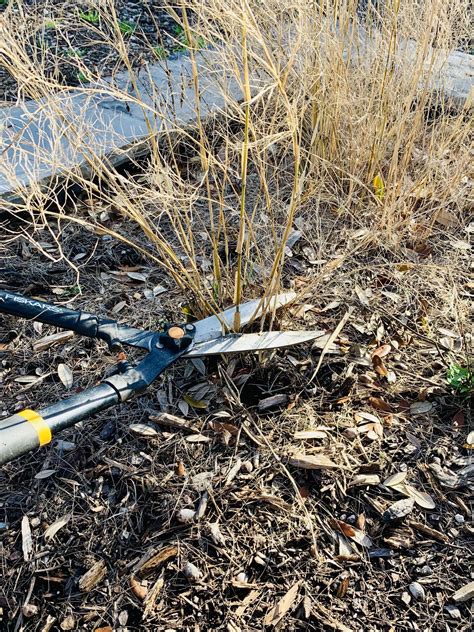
(193, 507)
(62, 31)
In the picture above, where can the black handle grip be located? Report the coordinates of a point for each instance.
(83, 323)
(25, 307)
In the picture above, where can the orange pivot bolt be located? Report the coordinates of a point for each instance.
(175, 332)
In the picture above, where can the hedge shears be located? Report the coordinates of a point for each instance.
(30, 429)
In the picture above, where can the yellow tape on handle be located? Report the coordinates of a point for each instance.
(39, 424)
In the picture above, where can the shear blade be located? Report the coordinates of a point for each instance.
(214, 326)
(245, 343)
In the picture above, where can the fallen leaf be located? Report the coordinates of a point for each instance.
(279, 610)
(379, 366)
(143, 430)
(272, 402)
(363, 417)
(65, 375)
(69, 623)
(310, 434)
(137, 276)
(180, 469)
(195, 403)
(353, 533)
(139, 589)
(395, 479)
(216, 533)
(119, 306)
(192, 572)
(461, 245)
(343, 586)
(186, 516)
(399, 510)
(171, 421)
(379, 404)
(56, 526)
(347, 529)
(422, 499)
(420, 408)
(48, 341)
(150, 598)
(446, 218)
(44, 474)
(312, 462)
(26, 539)
(198, 438)
(382, 351)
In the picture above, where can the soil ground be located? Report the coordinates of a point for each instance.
(57, 28)
(268, 527)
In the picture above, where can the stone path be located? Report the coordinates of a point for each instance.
(77, 125)
(45, 140)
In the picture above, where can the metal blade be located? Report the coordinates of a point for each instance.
(212, 327)
(244, 343)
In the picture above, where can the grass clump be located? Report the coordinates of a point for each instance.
(335, 124)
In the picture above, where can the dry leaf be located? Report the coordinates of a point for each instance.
(93, 576)
(446, 218)
(312, 462)
(379, 366)
(69, 623)
(347, 529)
(422, 499)
(139, 589)
(185, 516)
(272, 402)
(395, 479)
(48, 341)
(276, 614)
(343, 586)
(65, 375)
(399, 510)
(165, 419)
(216, 533)
(310, 434)
(44, 474)
(180, 469)
(420, 408)
(382, 351)
(195, 403)
(142, 430)
(26, 539)
(198, 438)
(353, 533)
(118, 307)
(379, 404)
(362, 417)
(56, 526)
(137, 276)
